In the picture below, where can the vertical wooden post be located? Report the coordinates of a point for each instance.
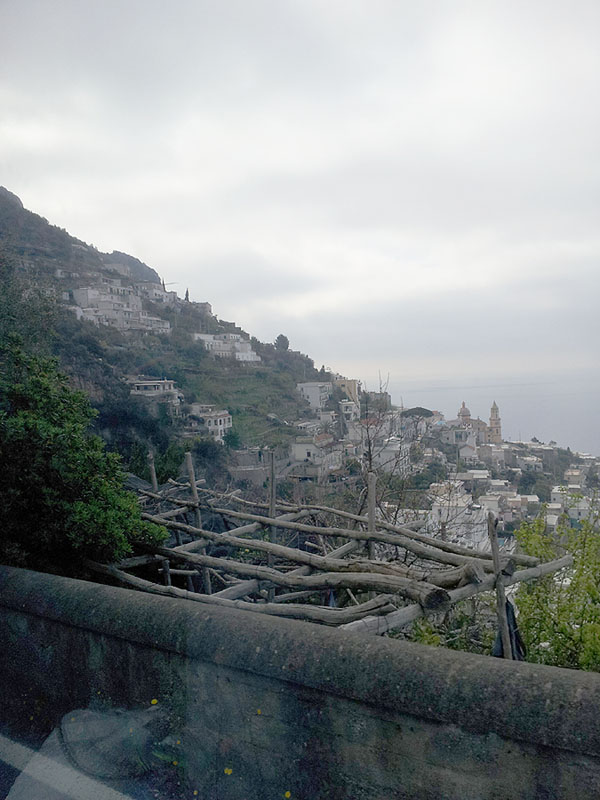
(443, 532)
(500, 595)
(371, 505)
(166, 572)
(272, 483)
(192, 478)
(152, 469)
(189, 464)
(272, 500)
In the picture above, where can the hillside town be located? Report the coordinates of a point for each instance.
(348, 429)
(447, 473)
(344, 429)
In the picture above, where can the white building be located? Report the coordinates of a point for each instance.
(530, 463)
(207, 420)
(393, 456)
(455, 517)
(349, 410)
(327, 417)
(319, 451)
(315, 393)
(500, 486)
(228, 345)
(468, 454)
(576, 505)
(158, 391)
(156, 293)
(117, 306)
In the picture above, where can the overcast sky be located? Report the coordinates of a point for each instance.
(402, 188)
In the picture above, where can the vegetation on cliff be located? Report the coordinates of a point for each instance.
(63, 495)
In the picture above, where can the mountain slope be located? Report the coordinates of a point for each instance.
(99, 359)
(41, 248)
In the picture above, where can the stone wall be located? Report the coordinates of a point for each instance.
(263, 707)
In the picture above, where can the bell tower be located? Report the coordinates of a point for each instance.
(495, 429)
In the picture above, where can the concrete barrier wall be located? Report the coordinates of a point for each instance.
(266, 706)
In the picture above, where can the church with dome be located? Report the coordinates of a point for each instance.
(465, 428)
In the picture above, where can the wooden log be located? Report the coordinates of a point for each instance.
(137, 561)
(198, 514)
(288, 553)
(289, 597)
(404, 616)
(371, 508)
(500, 595)
(423, 551)
(443, 578)
(152, 470)
(248, 587)
(173, 571)
(272, 529)
(174, 512)
(221, 578)
(407, 530)
(165, 498)
(198, 544)
(402, 530)
(290, 507)
(446, 578)
(327, 616)
(469, 572)
(166, 571)
(426, 594)
(189, 465)
(507, 564)
(472, 573)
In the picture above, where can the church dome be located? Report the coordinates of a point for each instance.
(464, 411)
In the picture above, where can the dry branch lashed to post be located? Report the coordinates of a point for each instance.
(404, 616)
(429, 551)
(426, 594)
(445, 578)
(327, 616)
(257, 572)
(404, 530)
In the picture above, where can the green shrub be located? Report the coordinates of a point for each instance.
(63, 496)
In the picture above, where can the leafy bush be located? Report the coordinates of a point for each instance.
(63, 496)
(559, 616)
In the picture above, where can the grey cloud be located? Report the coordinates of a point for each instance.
(466, 326)
(264, 152)
(250, 275)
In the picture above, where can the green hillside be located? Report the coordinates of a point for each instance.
(41, 259)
